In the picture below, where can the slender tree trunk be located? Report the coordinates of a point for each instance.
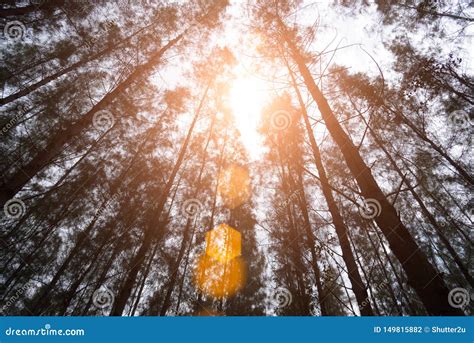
(154, 224)
(296, 257)
(100, 280)
(422, 275)
(465, 175)
(46, 235)
(181, 285)
(142, 286)
(175, 270)
(322, 296)
(357, 284)
(384, 271)
(75, 285)
(15, 183)
(40, 302)
(187, 235)
(31, 88)
(83, 236)
(438, 203)
(427, 213)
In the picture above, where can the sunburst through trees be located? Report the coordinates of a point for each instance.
(268, 157)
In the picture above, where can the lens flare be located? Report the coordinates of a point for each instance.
(223, 243)
(220, 272)
(219, 280)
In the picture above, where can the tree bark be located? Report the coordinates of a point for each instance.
(465, 175)
(154, 224)
(421, 274)
(427, 213)
(355, 279)
(15, 183)
(31, 88)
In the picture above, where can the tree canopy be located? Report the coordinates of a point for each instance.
(251, 158)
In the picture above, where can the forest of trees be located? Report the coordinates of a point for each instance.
(127, 190)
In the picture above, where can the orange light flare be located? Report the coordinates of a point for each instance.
(223, 243)
(221, 272)
(220, 280)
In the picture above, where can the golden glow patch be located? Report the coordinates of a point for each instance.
(223, 243)
(220, 272)
(219, 280)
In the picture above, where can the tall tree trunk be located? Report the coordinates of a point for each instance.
(154, 224)
(465, 175)
(355, 279)
(421, 274)
(426, 212)
(15, 183)
(41, 301)
(71, 292)
(175, 269)
(100, 280)
(387, 277)
(187, 235)
(414, 311)
(181, 285)
(31, 88)
(301, 196)
(83, 236)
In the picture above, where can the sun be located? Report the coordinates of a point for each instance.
(247, 97)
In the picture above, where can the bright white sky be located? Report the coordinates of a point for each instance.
(356, 33)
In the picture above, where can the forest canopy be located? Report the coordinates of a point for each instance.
(250, 158)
